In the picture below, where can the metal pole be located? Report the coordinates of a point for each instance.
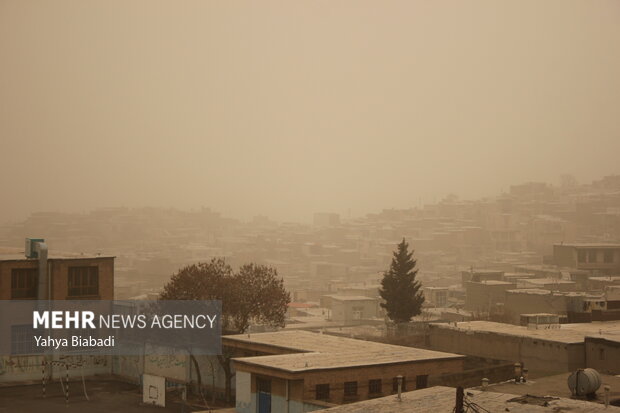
(67, 389)
(460, 396)
(43, 374)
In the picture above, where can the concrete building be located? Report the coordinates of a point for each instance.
(486, 296)
(603, 353)
(30, 276)
(301, 371)
(600, 283)
(522, 301)
(436, 296)
(597, 258)
(57, 277)
(551, 284)
(543, 351)
(350, 309)
(481, 275)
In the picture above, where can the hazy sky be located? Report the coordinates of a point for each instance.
(288, 107)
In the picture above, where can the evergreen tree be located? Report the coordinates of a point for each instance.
(399, 288)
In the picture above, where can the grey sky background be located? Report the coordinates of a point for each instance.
(285, 108)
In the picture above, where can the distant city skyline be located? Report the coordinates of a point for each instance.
(344, 214)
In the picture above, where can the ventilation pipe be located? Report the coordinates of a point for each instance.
(41, 249)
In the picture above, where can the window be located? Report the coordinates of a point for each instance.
(601, 354)
(83, 281)
(374, 386)
(350, 388)
(395, 385)
(591, 256)
(421, 381)
(22, 340)
(322, 391)
(24, 283)
(581, 256)
(608, 257)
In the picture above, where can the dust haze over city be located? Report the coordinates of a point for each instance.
(308, 139)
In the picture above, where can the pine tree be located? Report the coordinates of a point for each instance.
(399, 288)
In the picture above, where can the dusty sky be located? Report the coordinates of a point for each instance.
(285, 108)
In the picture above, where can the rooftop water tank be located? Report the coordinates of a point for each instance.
(584, 382)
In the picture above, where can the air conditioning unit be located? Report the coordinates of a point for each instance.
(31, 251)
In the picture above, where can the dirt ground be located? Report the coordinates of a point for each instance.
(105, 396)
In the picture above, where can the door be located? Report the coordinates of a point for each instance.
(263, 388)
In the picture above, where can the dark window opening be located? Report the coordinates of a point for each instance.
(421, 381)
(608, 257)
(581, 256)
(350, 388)
(83, 281)
(591, 256)
(322, 391)
(374, 386)
(24, 283)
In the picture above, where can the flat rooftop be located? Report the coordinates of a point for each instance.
(566, 334)
(589, 245)
(16, 254)
(351, 298)
(544, 281)
(442, 399)
(608, 278)
(492, 282)
(554, 386)
(315, 351)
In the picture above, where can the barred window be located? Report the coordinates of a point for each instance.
(24, 283)
(592, 256)
(581, 256)
(83, 281)
(421, 381)
(322, 391)
(350, 388)
(374, 386)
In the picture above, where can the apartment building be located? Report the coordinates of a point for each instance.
(597, 258)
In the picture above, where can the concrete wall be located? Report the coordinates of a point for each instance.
(482, 297)
(386, 373)
(538, 355)
(302, 388)
(518, 303)
(343, 310)
(603, 355)
(565, 256)
(19, 369)
(244, 399)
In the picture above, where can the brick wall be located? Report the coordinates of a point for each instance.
(59, 270)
